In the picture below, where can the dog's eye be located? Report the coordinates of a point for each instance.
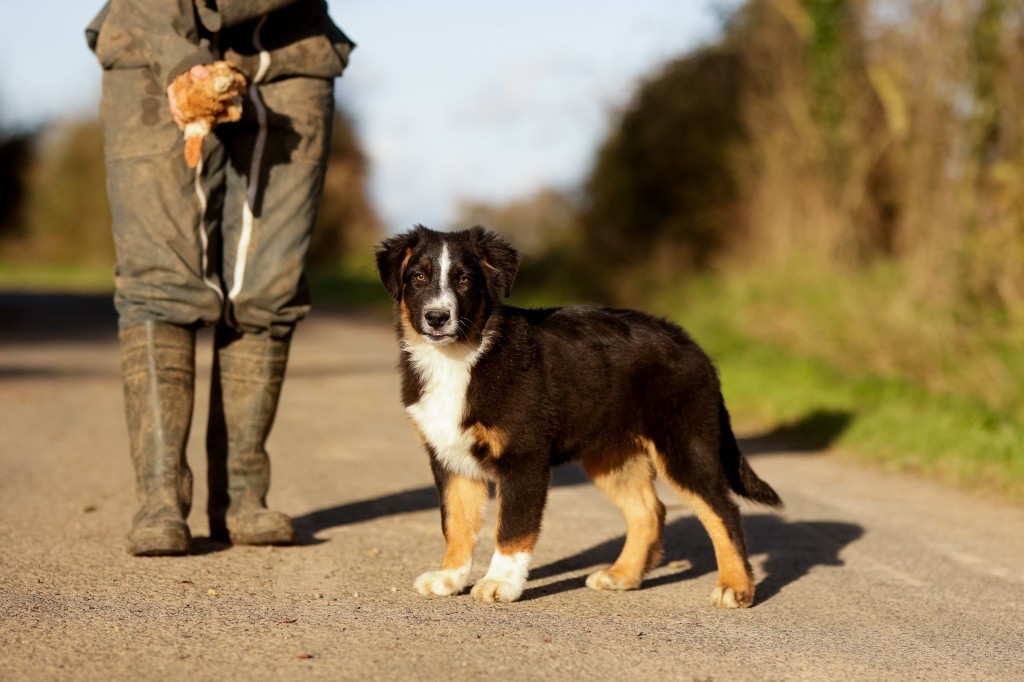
(420, 277)
(464, 279)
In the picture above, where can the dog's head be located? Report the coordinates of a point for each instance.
(447, 284)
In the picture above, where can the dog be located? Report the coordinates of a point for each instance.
(500, 395)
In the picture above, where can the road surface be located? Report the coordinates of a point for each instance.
(864, 576)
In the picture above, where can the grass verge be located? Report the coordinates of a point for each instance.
(889, 421)
(77, 279)
(349, 285)
(342, 285)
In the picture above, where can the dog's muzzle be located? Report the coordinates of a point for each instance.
(439, 326)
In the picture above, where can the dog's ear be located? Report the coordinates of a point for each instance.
(393, 255)
(499, 258)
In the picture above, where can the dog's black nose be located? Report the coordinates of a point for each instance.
(437, 318)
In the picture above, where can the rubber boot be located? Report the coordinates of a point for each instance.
(158, 366)
(248, 370)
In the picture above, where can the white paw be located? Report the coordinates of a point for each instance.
(489, 591)
(442, 583)
(505, 578)
(608, 579)
(729, 598)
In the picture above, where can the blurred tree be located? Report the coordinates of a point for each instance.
(347, 221)
(66, 218)
(15, 155)
(535, 224)
(545, 228)
(987, 64)
(665, 188)
(993, 254)
(829, 50)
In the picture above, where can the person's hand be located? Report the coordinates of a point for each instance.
(197, 72)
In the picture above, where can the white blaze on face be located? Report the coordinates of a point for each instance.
(445, 267)
(445, 300)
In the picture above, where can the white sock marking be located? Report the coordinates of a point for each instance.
(445, 581)
(505, 578)
(509, 567)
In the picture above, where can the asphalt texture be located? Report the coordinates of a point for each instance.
(865, 575)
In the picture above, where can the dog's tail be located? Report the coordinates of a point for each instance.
(742, 478)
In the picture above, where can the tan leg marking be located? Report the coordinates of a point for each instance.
(735, 583)
(465, 500)
(629, 484)
(735, 586)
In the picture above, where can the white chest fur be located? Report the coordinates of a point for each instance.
(444, 373)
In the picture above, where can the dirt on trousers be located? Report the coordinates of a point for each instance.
(865, 575)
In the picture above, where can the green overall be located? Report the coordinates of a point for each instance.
(224, 244)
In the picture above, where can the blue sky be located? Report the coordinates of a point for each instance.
(453, 99)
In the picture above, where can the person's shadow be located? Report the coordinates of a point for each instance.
(405, 502)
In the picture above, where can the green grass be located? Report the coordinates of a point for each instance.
(71, 278)
(350, 285)
(886, 421)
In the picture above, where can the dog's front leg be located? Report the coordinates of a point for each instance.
(521, 499)
(463, 501)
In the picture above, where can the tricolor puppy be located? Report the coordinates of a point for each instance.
(503, 394)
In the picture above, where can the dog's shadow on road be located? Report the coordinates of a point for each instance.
(793, 548)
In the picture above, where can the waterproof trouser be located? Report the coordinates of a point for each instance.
(226, 241)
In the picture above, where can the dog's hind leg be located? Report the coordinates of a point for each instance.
(709, 497)
(629, 484)
(721, 519)
(462, 516)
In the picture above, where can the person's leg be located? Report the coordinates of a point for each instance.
(274, 181)
(165, 289)
(158, 365)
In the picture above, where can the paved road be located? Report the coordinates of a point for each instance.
(865, 575)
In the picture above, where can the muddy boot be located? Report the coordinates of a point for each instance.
(248, 370)
(158, 366)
